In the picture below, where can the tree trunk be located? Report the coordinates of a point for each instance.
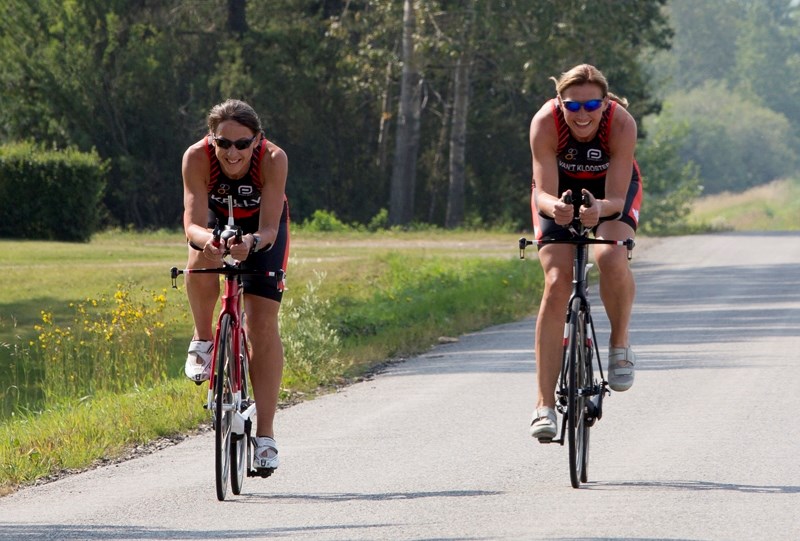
(237, 16)
(386, 115)
(401, 204)
(458, 132)
(437, 181)
(458, 144)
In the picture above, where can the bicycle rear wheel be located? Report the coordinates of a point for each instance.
(577, 429)
(223, 405)
(239, 457)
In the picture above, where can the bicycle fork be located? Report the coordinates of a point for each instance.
(594, 406)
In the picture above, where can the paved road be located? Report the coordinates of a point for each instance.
(705, 446)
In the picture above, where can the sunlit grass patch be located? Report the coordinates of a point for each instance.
(77, 433)
(769, 207)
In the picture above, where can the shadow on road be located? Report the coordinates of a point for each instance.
(336, 497)
(31, 532)
(700, 486)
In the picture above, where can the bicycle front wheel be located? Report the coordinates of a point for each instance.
(223, 405)
(577, 429)
(238, 448)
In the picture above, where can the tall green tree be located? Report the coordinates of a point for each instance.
(106, 75)
(135, 80)
(768, 57)
(734, 74)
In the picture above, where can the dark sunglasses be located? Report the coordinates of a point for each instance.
(240, 144)
(589, 105)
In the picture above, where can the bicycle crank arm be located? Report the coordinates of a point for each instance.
(595, 406)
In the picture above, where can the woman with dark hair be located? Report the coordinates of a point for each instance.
(583, 141)
(236, 159)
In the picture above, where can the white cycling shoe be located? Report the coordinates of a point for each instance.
(544, 424)
(198, 361)
(621, 368)
(266, 454)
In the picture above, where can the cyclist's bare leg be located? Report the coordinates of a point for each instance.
(556, 263)
(202, 291)
(266, 361)
(617, 285)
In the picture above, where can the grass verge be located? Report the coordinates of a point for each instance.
(379, 296)
(770, 207)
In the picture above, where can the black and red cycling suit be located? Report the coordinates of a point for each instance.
(583, 165)
(246, 196)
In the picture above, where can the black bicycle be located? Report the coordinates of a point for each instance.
(580, 389)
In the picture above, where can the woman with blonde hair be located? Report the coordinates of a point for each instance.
(582, 142)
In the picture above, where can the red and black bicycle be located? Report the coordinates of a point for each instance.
(232, 409)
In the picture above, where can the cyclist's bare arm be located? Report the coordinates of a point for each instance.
(274, 169)
(195, 171)
(544, 141)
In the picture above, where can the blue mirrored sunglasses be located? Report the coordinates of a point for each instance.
(589, 105)
(240, 144)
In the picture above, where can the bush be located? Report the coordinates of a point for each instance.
(379, 222)
(50, 195)
(323, 220)
(112, 344)
(311, 344)
(670, 184)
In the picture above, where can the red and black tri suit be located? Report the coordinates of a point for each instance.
(583, 165)
(246, 195)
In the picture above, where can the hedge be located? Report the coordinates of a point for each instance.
(50, 194)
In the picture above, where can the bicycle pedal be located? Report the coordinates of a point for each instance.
(261, 472)
(545, 440)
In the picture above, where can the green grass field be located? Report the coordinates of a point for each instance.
(383, 295)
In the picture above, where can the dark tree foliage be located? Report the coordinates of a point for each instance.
(135, 79)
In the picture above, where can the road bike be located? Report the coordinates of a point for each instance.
(228, 399)
(580, 392)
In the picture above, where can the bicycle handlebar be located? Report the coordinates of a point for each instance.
(227, 270)
(579, 235)
(578, 240)
(230, 231)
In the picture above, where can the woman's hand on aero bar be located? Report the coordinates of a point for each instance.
(239, 250)
(213, 250)
(590, 213)
(563, 212)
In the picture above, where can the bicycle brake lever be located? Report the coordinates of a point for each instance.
(216, 234)
(567, 198)
(523, 242)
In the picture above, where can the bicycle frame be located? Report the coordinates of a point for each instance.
(580, 286)
(232, 305)
(580, 289)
